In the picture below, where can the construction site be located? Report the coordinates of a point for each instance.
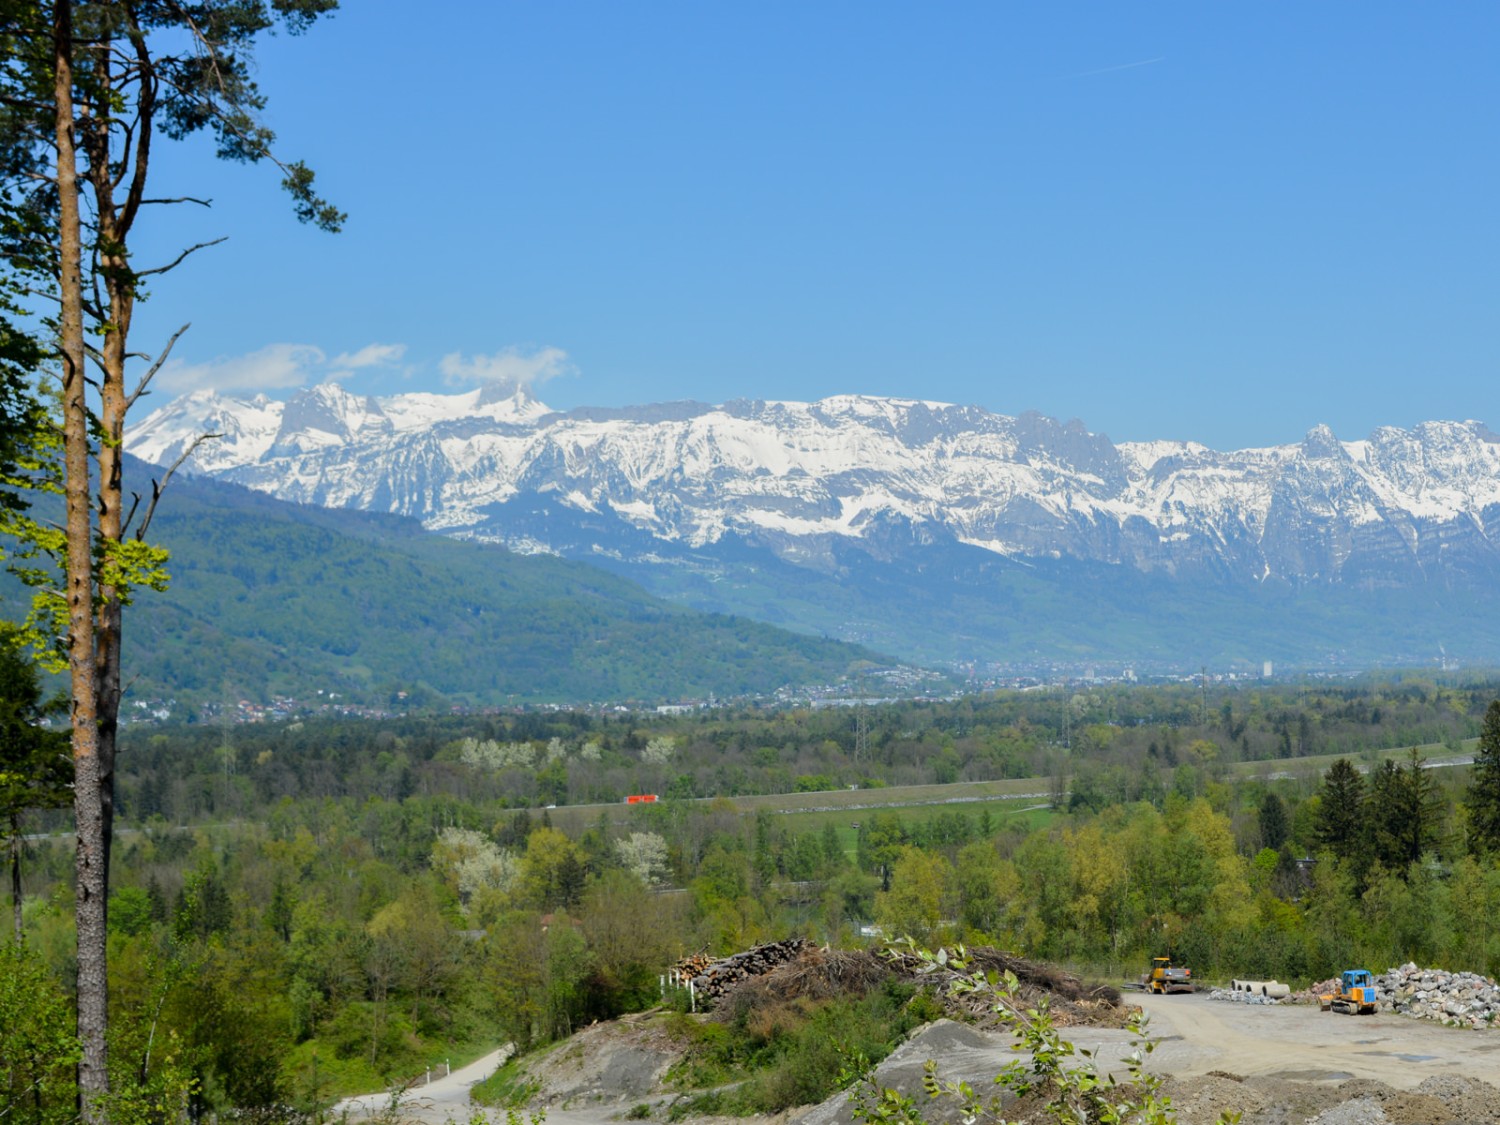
(1275, 1061)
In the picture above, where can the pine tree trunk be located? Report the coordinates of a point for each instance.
(15, 874)
(114, 223)
(88, 808)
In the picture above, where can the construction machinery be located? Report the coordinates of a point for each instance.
(1356, 994)
(1164, 976)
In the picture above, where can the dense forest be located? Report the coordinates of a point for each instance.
(305, 909)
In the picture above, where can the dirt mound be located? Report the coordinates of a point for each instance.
(605, 1064)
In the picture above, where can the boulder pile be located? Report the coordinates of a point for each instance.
(1236, 996)
(1465, 999)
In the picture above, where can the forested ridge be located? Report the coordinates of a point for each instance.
(275, 599)
(305, 909)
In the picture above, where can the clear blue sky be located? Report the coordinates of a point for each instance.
(1222, 222)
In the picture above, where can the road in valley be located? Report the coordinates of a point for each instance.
(443, 1099)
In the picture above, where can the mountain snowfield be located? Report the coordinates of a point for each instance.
(795, 477)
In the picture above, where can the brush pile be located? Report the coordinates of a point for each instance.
(823, 974)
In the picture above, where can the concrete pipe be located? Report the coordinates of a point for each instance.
(1271, 989)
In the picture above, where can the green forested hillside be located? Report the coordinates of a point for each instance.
(271, 598)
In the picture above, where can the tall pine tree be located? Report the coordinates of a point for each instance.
(1406, 811)
(1341, 824)
(86, 88)
(1484, 786)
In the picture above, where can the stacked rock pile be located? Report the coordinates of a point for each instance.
(1465, 999)
(1312, 992)
(1237, 997)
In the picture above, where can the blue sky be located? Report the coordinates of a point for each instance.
(1218, 222)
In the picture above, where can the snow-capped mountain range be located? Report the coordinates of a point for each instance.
(808, 480)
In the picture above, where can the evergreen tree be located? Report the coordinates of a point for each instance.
(1406, 812)
(87, 87)
(1388, 811)
(1341, 826)
(1484, 786)
(1275, 824)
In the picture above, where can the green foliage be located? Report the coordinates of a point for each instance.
(1484, 789)
(314, 944)
(789, 1054)
(1343, 825)
(38, 1047)
(271, 598)
(507, 1088)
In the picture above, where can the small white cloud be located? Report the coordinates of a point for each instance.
(274, 367)
(514, 367)
(371, 355)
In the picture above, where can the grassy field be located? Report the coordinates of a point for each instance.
(844, 805)
(1005, 801)
(1437, 755)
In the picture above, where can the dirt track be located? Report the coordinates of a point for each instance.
(1300, 1043)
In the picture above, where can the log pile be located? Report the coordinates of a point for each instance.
(691, 966)
(718, 977)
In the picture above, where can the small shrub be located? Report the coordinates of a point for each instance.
(507, 1088)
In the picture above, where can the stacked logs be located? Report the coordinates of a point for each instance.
(720, 976)
(690, 966)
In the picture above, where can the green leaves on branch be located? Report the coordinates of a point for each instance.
(308, 205)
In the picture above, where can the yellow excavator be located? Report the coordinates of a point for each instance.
(1167, 977)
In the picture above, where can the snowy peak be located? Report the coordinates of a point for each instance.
(328, 415)
(877, 474)
(238, 431)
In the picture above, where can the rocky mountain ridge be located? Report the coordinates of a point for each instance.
(806, 481)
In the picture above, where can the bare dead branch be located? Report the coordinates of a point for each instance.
(158, 487)
(177, 261)
(140, 388)
(135, 502)
(180, 199)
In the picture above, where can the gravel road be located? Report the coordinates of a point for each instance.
(1300, 1043)
(442, 1099)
